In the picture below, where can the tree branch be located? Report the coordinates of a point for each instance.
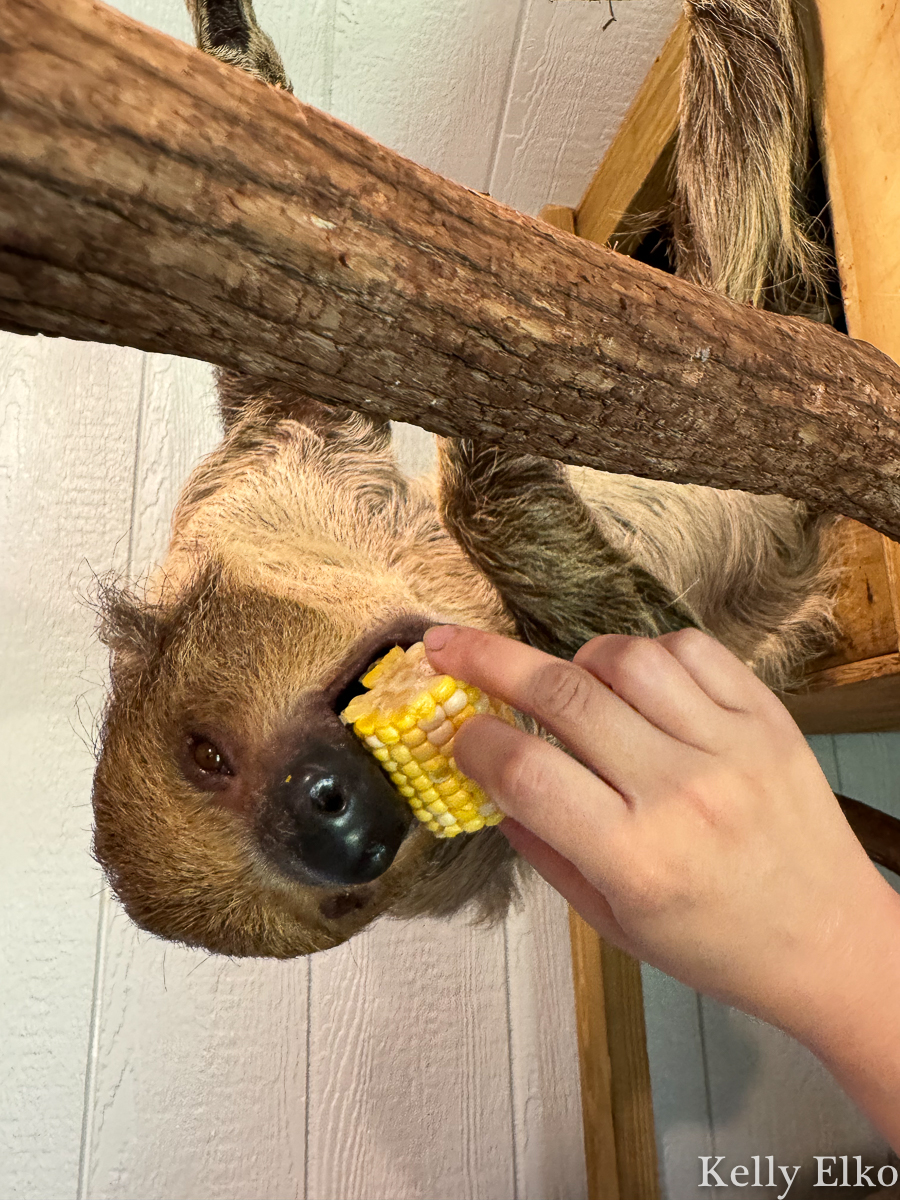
(152, 197)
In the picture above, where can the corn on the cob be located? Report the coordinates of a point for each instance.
(408, 721)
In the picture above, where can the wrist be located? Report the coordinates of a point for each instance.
(848, 1012)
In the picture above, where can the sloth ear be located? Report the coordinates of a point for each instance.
(134, 631)
(524, 526)
(138, 631)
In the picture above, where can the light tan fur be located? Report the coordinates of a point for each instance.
(743, 157)
(298, 547)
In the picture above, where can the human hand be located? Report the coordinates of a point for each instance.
(693, 827)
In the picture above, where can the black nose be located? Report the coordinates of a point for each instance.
(332, 817)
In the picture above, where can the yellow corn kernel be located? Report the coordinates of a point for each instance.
(408, 720)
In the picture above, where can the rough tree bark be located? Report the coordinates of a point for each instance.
(151, 197)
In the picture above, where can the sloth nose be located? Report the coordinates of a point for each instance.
(332, 817)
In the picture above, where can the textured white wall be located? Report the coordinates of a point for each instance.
(427, 1060)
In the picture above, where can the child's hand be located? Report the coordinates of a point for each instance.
(692, 825)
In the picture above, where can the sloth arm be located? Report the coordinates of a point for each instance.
(524, 526)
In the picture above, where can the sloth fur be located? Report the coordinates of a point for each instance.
(299, 548)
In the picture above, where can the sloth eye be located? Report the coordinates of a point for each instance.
(209, 758)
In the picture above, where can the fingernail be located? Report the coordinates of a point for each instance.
(437, 637)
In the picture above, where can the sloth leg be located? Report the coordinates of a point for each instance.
(228, 30)
(252, 401)
(524, 526)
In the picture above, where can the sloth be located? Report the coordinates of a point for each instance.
(233, 809)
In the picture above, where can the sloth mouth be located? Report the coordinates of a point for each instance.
(404, 631)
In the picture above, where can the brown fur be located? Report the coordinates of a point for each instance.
(298, 545)
(228, 30)
(743, 144)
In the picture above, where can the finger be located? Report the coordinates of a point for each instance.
(648, 677)
(541, 787)
(565, 877)
(722, 676)
(602, 730)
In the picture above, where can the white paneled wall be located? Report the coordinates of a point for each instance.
(423, 1060)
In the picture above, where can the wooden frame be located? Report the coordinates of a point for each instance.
(856, 686)
(616, 1095)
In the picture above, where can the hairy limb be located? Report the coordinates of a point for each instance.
(525, 527)
(243, 397)
(228, 30)
(743, 141)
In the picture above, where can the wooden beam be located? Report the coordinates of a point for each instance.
(858, 61)
(559, 216)
(616, 1100)
(594, 1062)
(153, 197)
(855, 687)
(855, 65)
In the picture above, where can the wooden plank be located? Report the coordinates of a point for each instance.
(647, 208)
(859, 123)
(596, 1067)
(866, 704)
(619, 1137)
(642, 139)
(865, 609)
(559, 216)
(632, 1099)
(856, 686)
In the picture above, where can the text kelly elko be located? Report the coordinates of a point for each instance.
(831, 1170)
